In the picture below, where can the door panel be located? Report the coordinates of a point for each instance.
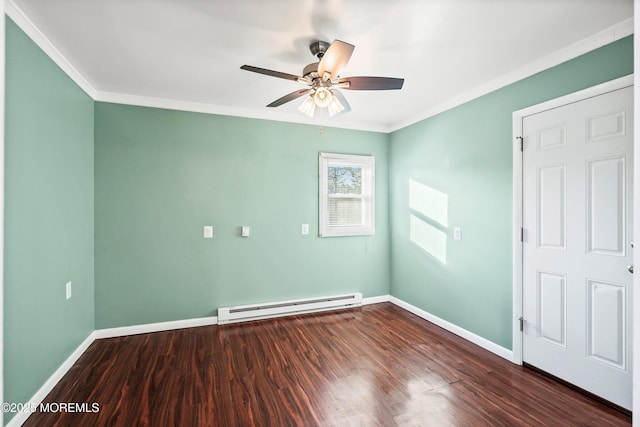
(606, 126)
(577, 186)
(606, 204)
(605, 322)
(552, 307)
(551, 207)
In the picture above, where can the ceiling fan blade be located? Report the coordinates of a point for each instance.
(289, 97)
(335, 59)
(342, 100)
(269, 72)
(372, 83)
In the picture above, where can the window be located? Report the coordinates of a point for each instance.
(346, 195)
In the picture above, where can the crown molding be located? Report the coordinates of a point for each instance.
(609, 35)
(18, 16)
(195, 107)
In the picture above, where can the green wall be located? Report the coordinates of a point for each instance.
(48, 219)
(460, 162)
(159, 176)
(162, 175)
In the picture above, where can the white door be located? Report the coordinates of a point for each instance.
(577, 220)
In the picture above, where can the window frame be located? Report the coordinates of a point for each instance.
(367, 163)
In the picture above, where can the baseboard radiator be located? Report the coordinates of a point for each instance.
(245, 313)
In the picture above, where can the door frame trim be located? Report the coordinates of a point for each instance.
(517, 117)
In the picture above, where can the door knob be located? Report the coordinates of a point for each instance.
(630, 268)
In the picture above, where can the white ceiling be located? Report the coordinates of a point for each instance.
(191, 50)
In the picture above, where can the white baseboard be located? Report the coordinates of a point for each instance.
(375, 300)
(53, 380)
(155, 327)
(21, 417)
(461, 332)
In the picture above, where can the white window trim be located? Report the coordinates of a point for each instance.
(367, 163)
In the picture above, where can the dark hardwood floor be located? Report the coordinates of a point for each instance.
(374, 366)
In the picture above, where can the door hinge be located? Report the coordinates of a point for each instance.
(521, 319)
(521, 234)
(521, 142)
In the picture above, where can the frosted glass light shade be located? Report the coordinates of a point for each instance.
(335, 106)
(322, 97)
(308, 107)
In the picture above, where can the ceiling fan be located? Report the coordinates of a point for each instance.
(323, 79)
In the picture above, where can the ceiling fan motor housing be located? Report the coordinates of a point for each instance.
(311, 70)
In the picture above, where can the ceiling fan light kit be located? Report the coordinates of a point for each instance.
(322, 97)
(308, 107)
(323, 79)
(335, 106)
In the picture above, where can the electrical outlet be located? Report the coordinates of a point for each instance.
(208, 231)
(457, 233)
(245, 231)
(67, 289)
(305, 229)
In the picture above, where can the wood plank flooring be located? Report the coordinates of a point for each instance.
(378, 365)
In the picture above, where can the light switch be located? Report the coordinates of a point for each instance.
(457, 233)
(305, 229)
(68, 290)
(245, 231)
(208, 231)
